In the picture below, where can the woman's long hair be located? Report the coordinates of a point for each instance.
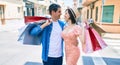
(72, 15)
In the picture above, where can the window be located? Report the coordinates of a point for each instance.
(88, 14)
(108, 12)
(55, 0)
(80, 1)
(40, 0)
(119, 19)
(1, 11)
(96, 14)
(91, 10)
(18, 9)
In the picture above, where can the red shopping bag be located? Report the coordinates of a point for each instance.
(93, 41)
(34, 18)
(99, 38)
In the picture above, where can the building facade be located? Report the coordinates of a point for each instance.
(105, 13)
(10, 9)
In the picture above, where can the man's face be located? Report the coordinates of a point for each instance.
(56, 14)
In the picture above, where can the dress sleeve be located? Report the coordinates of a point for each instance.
(78, 30)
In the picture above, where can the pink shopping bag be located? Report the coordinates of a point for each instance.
(93, 41)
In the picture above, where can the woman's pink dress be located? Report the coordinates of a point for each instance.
(72, 51)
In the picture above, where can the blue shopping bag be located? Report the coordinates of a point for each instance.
(26, 38)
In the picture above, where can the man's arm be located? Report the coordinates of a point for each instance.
(36, 30)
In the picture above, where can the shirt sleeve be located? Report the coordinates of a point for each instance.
(78, 30)
(36, 30)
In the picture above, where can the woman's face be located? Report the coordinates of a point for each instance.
(66, 16)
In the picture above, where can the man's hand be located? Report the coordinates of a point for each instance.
(48, 22)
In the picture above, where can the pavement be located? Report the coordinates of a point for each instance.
(107, 56)
(15, 53)
(12, 25)
(111, 35)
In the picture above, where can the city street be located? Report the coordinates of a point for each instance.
(13, 52)
(102, 15)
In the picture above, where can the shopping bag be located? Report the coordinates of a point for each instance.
(26, 38)
(29, 19)
(24, 32)
(99, 38)
(93, 41)
(97, 28)
(88, 48)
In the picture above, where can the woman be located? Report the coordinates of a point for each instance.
(70, 35)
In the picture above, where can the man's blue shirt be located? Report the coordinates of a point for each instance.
(45, 37)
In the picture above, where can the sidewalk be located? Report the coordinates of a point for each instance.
(19, 54)
(107, 56)
(12, 25)
(111, 35)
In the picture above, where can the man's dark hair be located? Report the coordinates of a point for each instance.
(53, 7)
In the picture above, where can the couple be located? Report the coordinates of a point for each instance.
(54, 32)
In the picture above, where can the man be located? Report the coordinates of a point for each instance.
(52, 42)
